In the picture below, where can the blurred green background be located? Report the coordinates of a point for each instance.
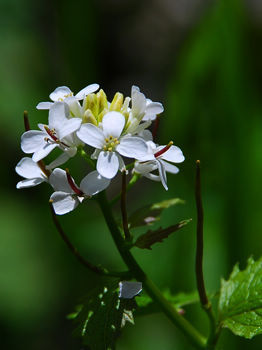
(202, 60)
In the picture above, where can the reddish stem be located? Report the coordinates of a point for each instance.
(26, 121)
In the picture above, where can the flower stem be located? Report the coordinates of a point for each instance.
(199, 249)
(131, 183)
(189, 331)
(96, 269)
(87, 158)
(206, 305)
(123, 208)
(26, 121)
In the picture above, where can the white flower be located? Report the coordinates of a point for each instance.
(158, 158)
(67, 195)
(57, 134)
(63, 93)
(32, 173)
(110, 145)
(142, 109)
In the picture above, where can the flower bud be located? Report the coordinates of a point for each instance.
(117, 102)
(90, 102)
(124, 109)
(89, 117)
(101, 100)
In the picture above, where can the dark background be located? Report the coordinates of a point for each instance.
(202, 60)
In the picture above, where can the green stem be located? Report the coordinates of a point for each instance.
(200, 240)
(86, 157)
(213, 334)
(189, 331)
(123, 208)
(206, 305)
(96, 269)
(131, 183)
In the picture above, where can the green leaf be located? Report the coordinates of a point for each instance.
(240, 302)
(147, 306)
(146, 240)
(102, 316)
(150, 213)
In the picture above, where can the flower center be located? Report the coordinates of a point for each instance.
(54, 138)
(163, 150)
(65, 96)
(110, 143)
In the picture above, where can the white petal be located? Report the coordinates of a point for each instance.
(138, 102)
(71, 151)
(86, 91)
(162, 173)
(69, 126)
(29, 169)
(44, 105)
(152, 177)
(132, 147)
(60, 93)
(170, 168)
(144, 168)
(150, 117)
(44, 151)
(58, 180)
(94, 183)
(58, 114)
(154, 108)
(32, 140)
(91, 135)
(142, 126)
(29, 183)
(74, 106)
(146, 135)
(42, 127)
(134, 89)
(95, 154)
(107, 164)
(122, 165)
(113, 124)
(58, 161)
(174, 154)
(63, 202)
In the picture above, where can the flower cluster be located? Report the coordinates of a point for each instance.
(113, 130)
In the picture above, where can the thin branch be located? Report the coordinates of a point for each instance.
(123, 208)
(131, 183)
(155, 128)
(96, 269)
(213, 334)
(199, 248)
(189, 331)
(26, 121)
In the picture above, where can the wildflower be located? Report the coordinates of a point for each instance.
(159, 158)
(32, 173)
(63, 93)
(110, 145)
(68, 195)
(57, 134)
(142, 109)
